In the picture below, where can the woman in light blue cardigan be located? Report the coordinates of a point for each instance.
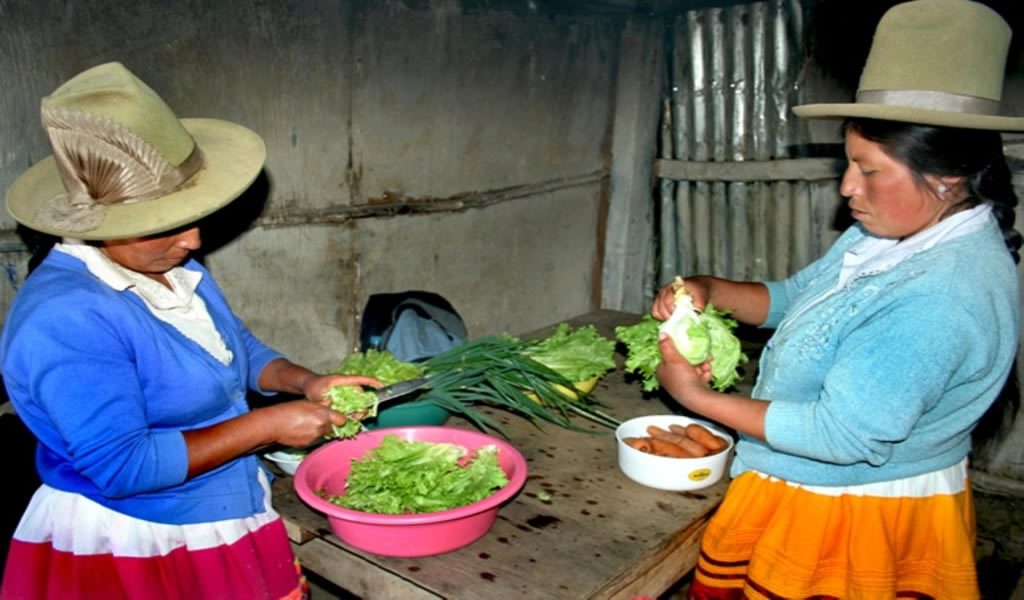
(850, 474)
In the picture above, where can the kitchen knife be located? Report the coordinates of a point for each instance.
(400, 389)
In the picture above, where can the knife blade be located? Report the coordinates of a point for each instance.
(400, 389)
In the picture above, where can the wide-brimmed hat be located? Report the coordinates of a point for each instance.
(934, 62)
(124, 165)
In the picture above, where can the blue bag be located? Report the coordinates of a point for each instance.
(413, 325)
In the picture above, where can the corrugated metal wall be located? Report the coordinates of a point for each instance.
(733, 80)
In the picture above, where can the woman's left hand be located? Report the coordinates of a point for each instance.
(688, 384)
(316, 387)
(685, 382)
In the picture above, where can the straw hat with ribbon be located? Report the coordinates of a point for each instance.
(125, 166)
(933, 62)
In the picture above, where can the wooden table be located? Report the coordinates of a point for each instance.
(579, 528)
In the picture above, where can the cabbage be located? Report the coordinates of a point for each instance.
(696, 334)
(684, 326)
(726, 352)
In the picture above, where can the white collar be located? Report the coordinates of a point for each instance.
(183, 282)
(875, 254)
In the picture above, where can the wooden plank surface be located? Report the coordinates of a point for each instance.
(577, 529)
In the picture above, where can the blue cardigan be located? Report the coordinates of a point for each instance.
(885, 379)
(108, 388)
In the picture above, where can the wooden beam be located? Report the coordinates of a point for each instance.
(633, 147)
(791, 169)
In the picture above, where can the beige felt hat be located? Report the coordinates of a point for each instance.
(934, 62)
(124, 165)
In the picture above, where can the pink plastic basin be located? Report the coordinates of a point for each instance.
(423, 534)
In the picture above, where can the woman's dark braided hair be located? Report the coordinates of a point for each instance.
(977, 156)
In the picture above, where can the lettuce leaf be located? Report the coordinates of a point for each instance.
(577, 355)
(348, 399)
(403, 477)
(726, 352)
(642, 353)
(380, 364)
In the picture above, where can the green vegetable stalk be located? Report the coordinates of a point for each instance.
(499, 371)
(505, 372)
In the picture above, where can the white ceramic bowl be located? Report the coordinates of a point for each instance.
(288, 461)
(668, 473)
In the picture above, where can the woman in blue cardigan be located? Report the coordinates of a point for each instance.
(850, 474)
(125, 360)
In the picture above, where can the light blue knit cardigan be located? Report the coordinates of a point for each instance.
(886, 378)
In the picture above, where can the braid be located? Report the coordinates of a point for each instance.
(993, 185)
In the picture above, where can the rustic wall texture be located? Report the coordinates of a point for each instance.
(498, 152)
(411, 145)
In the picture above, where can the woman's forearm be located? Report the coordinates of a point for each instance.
(210, 447)
(281, 375)
(742, 413)
(294, 423)
(748, 300)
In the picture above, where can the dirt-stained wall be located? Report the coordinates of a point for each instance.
(451, 146)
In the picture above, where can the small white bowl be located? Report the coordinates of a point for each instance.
(664, 472)
(288, 461)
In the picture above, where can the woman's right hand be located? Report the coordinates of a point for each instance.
(665, 302)
(301, 422)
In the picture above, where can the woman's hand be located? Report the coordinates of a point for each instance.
(296, 423)
(281, 375)
(315, 387)
(687, 383)
(300, 422)
(665, 302)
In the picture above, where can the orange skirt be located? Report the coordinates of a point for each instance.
(910, 538)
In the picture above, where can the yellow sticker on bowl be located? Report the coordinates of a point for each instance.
(700, 474)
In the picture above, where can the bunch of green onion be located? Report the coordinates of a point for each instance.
(498, 371)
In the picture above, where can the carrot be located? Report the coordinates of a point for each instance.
(657, 432)
(704, 437)
(638, 443)
(677, 429)
(663, 448)
(691, 447)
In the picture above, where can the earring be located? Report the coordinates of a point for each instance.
(941, 189)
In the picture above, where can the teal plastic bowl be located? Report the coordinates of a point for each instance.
(409, 413)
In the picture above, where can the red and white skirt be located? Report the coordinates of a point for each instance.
(68, 547)
(909, 538)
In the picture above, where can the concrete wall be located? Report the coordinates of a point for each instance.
(411, 145)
